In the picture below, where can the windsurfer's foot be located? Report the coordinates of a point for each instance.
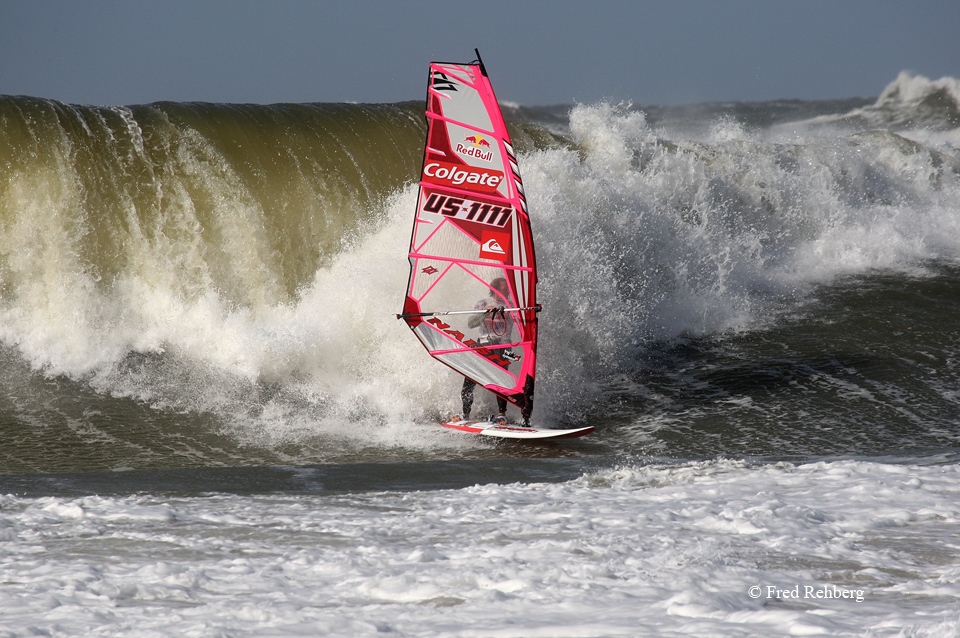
(457, 418)
(500, 419)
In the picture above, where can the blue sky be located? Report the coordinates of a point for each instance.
(537, 51)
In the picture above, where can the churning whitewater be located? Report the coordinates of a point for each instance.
(213, 423)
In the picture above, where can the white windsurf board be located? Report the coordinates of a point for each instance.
(512, 431)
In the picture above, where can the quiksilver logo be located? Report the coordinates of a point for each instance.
(492, 243)
(492, 246)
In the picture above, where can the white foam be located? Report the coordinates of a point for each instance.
(640, 550)
(909, 89)
(912, 105)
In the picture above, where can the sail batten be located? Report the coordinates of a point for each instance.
(471, 248)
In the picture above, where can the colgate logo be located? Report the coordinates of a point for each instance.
(472, 178)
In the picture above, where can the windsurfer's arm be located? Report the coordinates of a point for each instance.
(477, 319)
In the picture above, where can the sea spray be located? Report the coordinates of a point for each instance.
(245, 263)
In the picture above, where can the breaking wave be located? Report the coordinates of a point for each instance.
(243, 263)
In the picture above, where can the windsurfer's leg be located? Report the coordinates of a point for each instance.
(525, 413)
(501, 417)
(466, 396)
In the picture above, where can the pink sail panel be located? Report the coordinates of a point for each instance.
(471, 248)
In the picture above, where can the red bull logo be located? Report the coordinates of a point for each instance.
(477, 140)
(474, 145)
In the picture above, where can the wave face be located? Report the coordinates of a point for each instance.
(911, 103)
(197, 284)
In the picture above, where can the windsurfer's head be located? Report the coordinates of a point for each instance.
(499, 285)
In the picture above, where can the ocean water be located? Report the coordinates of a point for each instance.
(213, 425)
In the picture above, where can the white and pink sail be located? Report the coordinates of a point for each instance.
(472, 229)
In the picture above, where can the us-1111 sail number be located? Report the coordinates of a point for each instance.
(467, 209)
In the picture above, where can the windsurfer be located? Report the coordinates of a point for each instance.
(496, 327)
